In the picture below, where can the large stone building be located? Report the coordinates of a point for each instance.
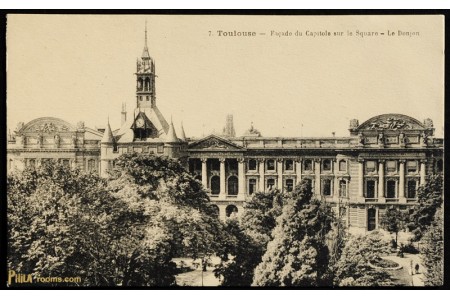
(382, 161)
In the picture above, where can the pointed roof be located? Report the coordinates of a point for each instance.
(171, 135)
(145, 53)
(108, 136)
(182, 134)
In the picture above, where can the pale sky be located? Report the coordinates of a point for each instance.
(81, 68)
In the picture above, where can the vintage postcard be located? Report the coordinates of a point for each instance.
(225, 150)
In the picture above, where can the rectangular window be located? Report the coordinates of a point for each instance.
(370, 166)
(411, 189)
(391, 189)
(308, 166)
(252, 164)
(391, 166)
(327, 165)
(91, 165)
(251, 186)
(270, 183)
(270, 165)
(160, 149)
(289, 165)
(326, 189)
(370, 189)
(411, 166)
(342, 188)
(289, 185)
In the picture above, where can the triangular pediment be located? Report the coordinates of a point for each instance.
(213, 142)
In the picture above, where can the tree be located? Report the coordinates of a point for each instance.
(297, 255)
(352, 268)
(430, 198)
(239, 255)
(244, 243)
(433, 252)
(392, 221)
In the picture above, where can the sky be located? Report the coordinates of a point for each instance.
(81, 68)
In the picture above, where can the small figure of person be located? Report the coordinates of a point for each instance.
(417, 268)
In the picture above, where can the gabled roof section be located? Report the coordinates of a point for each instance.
(214, 143)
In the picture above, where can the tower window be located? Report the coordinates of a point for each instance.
(289, 165)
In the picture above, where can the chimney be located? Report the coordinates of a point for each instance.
(124, 113)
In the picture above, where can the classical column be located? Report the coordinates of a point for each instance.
(298, 169)
(381, 180)
(222, 177)
(360, 179)
(280, 173)
(317, 179)
(422, 171)
(336, 179)
(204, 173)
(401, 182)
(241, 176)
(262, 183)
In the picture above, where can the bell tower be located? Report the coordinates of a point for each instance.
(145, 79)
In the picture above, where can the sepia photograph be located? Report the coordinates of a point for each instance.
(181, 150)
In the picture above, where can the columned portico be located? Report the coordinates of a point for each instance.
(222, 178)
(381, 197)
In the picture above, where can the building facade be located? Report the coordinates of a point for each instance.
(381, 163)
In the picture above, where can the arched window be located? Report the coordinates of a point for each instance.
(342, 188)
(342, 165)
(216, 210)
(232, 185)
(231, 210)
(215, 185)
(252, 164)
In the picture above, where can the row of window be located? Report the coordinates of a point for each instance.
(391, 189)
(91, 163)
(391, 166)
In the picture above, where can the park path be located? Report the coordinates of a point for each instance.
(405, 276)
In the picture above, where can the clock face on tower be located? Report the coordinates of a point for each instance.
(140, 123)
